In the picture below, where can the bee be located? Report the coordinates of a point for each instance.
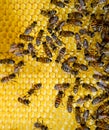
(57, 40)
(61, 54)
(102, 124)
(75, 22)
(101, 85)
(106, 7)
(76, 86)
(30, 47)
(60, 25)
(69, 103)
(47, 50)
(85, 117)
(50, 28)
(15, 47)
(58, 99)
(24, 101)
(83, 100)
(53, 20)
(58, 3)
(40, 125)
(78, 41)
(39, 37)
(8, 78)
(89, 87)
(7, 61)
(82, 3)
(62, 87)
(107, 68)
(30, 28)
(78, 114)
(43, 59)
(18, 66)
(35, 87)
(76, 15)
(50, 42)
(66, 33)
(85, 44)
(48, 13)
(101, 108)
(83, 31)
(26, 37)
(100, 98)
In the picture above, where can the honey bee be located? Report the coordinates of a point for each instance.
(107, 68)
(30, 47)
(75, 22)
(57, 40)
(62, 87)
(8, 78)
(48, 13)
(100, 98)
(69, 103)
(89, 87)
(26, 37)
(30, 28)
(47, 50)
(24, 101)
(43, 59)
(40, 125)
(76, 15)
(58, 99)
(78, 114)
(83, 100)
(102, 85)
(58, 3)
(66, 33)
(85, 44)
(61, 54)
(60, 25)
(76, 86)
(83, 31)
(39, 37)
(53, 20)
(18, 66)
(35, 87)
(85, 117)
(102, 124)
(50, 41)
(15, 47)
(7, 61)
(106, 7)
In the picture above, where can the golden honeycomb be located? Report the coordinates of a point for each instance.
(15, 16)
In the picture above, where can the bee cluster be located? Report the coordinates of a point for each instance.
(96, 56)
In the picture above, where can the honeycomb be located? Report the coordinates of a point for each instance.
(15, 17)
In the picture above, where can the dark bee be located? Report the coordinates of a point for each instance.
(30, 28)
(75, 22)
(24, 101)
(58, 99)
(89, 87)
(56, 39)
(50, 28)
(46, 49)
(40, 125)
(58, 3)
(85, 44)
(18, 66)
(76, 86)
(85, 117)
(26, 37)
(31, 50)
(39, 37)
(48, 13)
(60, 25)
(83, 100)
(8, 78)
(78, 114)
(76, 15)
(35, 87)
(69, 103)
(62, 87)
(7, 61)
(50, 42)
(106, 69)
(78, 41)
(106, 7)
(83, 31)
(100, 98)
(102, 85)
(66, 33)
(43, 59)
(15, 47)
(53, 20)
(61, 54)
